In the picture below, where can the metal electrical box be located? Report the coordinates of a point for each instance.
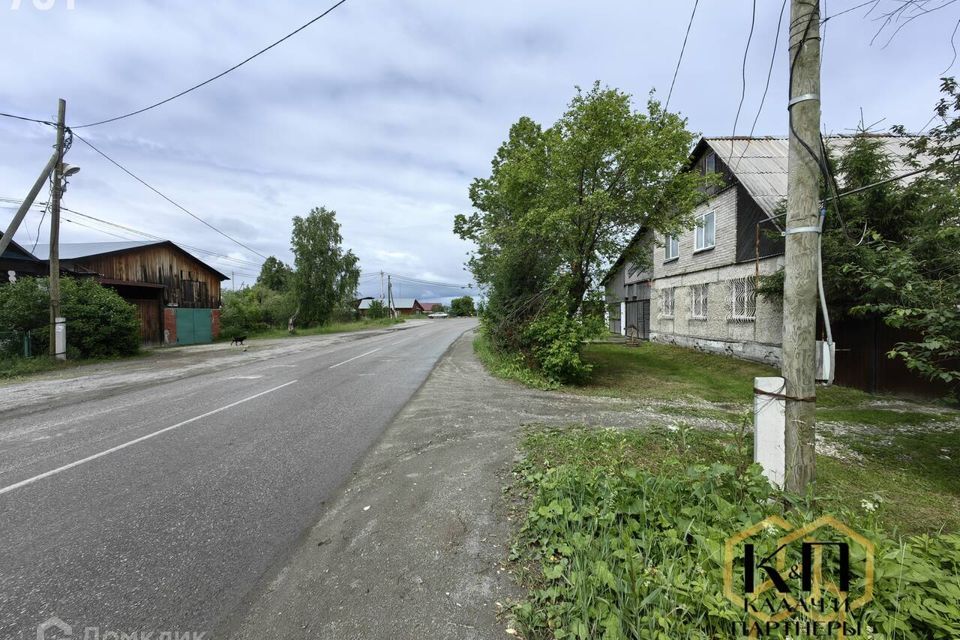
(826, 361)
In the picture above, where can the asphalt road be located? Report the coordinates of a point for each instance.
(167, 509)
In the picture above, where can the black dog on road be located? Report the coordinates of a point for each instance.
(238, 340)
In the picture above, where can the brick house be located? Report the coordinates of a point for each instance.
(698, 289)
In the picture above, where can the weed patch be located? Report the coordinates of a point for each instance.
(624, 531)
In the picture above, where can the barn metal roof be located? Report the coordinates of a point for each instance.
(760, 164)
(76, 250)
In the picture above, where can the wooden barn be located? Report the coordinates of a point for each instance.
(177, 296)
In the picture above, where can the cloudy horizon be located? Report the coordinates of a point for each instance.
(385, 111)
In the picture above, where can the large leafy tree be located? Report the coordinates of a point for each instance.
(563, 202)
(326, 276)
(462, 306)
(275, 275)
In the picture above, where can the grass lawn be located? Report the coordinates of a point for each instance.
(333, 327)
(654, 371)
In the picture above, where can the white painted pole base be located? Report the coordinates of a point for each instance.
(769, 427)
(60, 341)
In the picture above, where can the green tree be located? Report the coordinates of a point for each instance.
(891, 250)
(462, 306)
(377, 310)
(562, 202)
(326, 276)
(275, 275)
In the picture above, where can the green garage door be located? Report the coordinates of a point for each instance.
(194, 326)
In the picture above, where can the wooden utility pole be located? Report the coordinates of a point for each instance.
(390, 296)
(800, 285)
(55, 232)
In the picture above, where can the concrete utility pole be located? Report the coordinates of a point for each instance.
(800, 285)
(60, 354)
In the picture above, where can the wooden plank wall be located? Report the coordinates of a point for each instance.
(187, 281)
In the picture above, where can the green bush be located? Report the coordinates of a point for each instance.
(614, 551)
(99, 322)
(255, 309)
(555, 342)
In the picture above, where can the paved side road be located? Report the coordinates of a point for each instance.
(413, 547)
(159, 506)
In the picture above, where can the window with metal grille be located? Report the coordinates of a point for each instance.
(667, 302)
(743, 299)
(706, 231)
(698, 301)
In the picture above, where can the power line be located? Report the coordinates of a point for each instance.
(743, 80)
(156, 237)
(854, 8)
(16, 117)
(115, 235)
(682, 49)
(168, 199)
(216, 77)
(766, 87)
(145, 234)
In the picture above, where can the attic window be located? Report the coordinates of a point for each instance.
(710, 163)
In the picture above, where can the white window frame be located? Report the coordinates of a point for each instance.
(671, 248)
(699, 297)
(700, 233)
(710, 158)
(668, 302)
(743, 303)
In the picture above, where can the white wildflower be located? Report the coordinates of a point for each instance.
(868, 505)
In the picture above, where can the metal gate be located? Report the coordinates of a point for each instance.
(637, 320)
(194, 326)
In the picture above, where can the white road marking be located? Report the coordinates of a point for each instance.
(244, 377)
(65, 467)
(355, 358)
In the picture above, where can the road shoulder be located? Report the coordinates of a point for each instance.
(413, 546)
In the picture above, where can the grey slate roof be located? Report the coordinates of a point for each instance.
(76, 250)
(763, 169)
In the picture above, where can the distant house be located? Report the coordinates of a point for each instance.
(430, 307)
(403, 306)
(177, 295)
(698, 289)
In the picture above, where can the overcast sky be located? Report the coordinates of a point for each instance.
(386, 109)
